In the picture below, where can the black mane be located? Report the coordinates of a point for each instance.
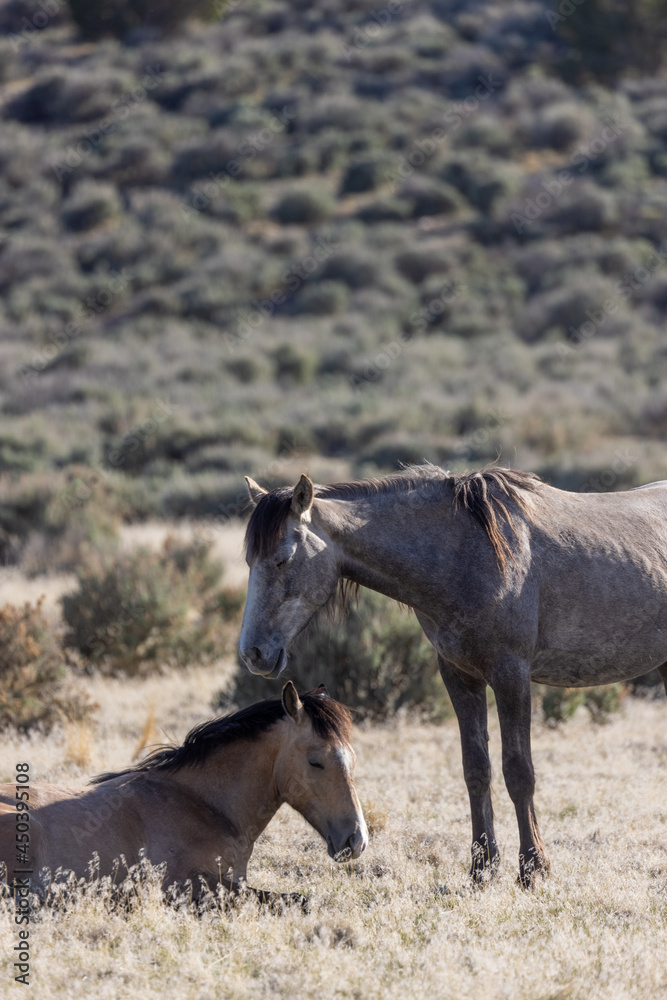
(330, 720)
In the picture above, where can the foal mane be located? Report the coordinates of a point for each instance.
(480, 493)
(330, 720)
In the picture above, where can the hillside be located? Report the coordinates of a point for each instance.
(326, 237)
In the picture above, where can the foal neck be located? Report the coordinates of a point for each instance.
(238, 781)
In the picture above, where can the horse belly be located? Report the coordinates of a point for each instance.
(585, 657)
(604, 620)
(586, 668)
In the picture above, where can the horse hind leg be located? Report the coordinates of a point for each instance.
(468, 698)
(511, 686)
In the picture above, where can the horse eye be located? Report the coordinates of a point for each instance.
(280, 562)
(314, 763)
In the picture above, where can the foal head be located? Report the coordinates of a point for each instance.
(293, 573)
(314, 770)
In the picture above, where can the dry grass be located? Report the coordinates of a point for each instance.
(402, 921)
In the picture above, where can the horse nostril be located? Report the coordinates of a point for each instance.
(252, 655)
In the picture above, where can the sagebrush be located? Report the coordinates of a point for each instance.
(136, 612)
(35, 686)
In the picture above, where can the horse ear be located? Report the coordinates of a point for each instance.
(321, 691)
(302, 497)
(292, 703)
(255, 491)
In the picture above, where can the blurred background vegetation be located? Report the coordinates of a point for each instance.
(254, 236)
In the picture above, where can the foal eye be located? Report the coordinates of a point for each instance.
(314, 763)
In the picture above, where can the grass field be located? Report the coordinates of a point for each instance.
(402, 921)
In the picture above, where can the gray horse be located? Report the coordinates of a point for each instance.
(511, 580)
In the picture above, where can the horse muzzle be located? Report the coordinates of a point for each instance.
(265, 665)
(350, 849)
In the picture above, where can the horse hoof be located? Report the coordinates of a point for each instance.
(536, 866)
(482, 871)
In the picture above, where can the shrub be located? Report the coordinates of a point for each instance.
(480, 179)
(139, 611)
(90, 205)
(34, 687)
(363, 174)
(65, 96)
(559, 704)
(376, 660)
(384, 210)
(293, 364)
(419, 263)
(608, 36)
(322, 298)
(97, 18)
(428, 196)
(303, 207)
(356, 268)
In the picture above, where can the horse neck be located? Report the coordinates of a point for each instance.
(238, 781)
(386, 541)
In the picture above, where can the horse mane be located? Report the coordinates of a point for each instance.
(330, 720)
(477, 492)
(480, 493)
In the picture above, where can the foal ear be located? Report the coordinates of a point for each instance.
(302, 497)
(292, 703)
(321, 691)
(255, 491)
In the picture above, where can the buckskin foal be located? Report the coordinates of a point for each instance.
(511, 579)
(200, 807)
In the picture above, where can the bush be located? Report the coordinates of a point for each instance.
(608, 36)
(356, 268)
(480, 179)
(428, 196)
(65, 96)
(34, 688)
(89, 206)
(559, 704)
(304, 207)
(364, 174)
(142, 610)
(384, 210)
(376, 660)
(322, 298)
(97, 18)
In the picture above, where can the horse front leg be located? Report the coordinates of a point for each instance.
(468, 697)
(511, 686)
